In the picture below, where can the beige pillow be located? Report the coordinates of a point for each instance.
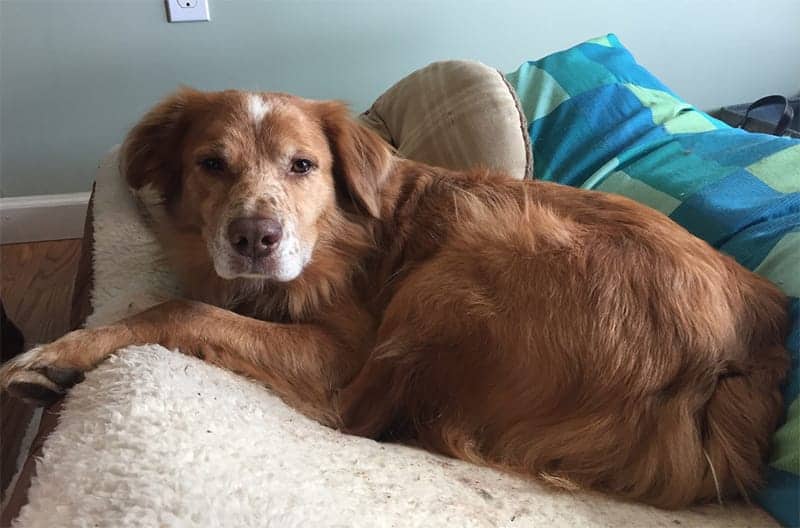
(455, 114)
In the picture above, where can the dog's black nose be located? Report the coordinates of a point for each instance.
(254, 237)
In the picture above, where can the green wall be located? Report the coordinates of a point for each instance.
(75, 74)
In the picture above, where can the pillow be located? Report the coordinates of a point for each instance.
(599, 120)
(455, 114)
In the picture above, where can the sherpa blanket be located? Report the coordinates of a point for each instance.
(155, 438)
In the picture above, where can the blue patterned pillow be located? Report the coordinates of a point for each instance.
(599, 120)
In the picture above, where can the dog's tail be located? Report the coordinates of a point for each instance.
(746, 406)
(739, 419)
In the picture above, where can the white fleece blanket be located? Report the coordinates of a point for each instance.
(154, 438)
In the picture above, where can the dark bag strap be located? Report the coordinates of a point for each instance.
(786, 116)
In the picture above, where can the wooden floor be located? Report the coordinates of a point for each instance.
(36, 282)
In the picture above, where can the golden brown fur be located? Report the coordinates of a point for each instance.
(571, 336)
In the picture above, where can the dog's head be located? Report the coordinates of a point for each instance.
(255, 176)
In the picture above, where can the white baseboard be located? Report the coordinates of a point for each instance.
(46, 217)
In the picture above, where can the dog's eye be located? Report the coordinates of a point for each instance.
(302, 166)
(213, 164)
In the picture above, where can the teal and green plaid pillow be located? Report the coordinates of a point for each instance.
(599, 120)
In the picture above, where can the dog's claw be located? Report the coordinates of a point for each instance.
(33, 377)
(63, 377)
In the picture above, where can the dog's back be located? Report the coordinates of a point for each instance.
(578, 337)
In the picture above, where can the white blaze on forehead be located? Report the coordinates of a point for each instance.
(257, 107)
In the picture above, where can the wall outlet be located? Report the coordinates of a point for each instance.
(187, 10)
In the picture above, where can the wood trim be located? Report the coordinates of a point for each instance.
(84, 278)
(45, 217)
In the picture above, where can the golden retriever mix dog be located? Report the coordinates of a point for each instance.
(570, 336)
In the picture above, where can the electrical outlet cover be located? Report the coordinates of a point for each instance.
(188, 10)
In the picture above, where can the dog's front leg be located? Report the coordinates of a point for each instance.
(299, 362)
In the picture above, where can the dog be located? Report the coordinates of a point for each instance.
(570, 336)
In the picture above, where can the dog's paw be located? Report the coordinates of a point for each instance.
(37, 376)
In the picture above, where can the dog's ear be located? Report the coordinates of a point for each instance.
(361, 159)
(151, 152)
